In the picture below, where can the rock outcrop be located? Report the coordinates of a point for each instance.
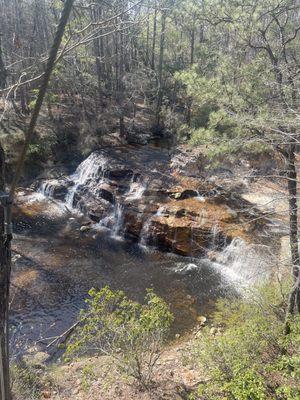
(155, 203)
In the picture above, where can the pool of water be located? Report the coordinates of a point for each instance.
(55, 265)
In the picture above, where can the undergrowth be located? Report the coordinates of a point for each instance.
(250, 358)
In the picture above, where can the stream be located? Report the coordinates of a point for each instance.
(55, 263)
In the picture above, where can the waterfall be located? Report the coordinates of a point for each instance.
(244, 264)
(145, 232)
(113, 221)
(90, 168)
(118, 221)
(144, 235)
(47, 188)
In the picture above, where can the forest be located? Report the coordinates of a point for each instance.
(149, 201)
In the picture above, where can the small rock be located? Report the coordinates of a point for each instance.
(213, 331)
(84, 228)
(46, 394)
(201, 319)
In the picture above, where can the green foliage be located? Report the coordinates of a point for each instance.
(131, 333)
(251, 359)
(40, 150)
(214, 124)
(88, 376)
(238, 97)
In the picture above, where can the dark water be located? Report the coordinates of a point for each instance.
(55, 265)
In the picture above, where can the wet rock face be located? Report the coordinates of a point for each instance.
(56, 188)
(138, 190)
(187, 227)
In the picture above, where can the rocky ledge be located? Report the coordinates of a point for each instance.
(141, 193)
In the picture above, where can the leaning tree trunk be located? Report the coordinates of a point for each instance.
(294, 298)
(5, 209)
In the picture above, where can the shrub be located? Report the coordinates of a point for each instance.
(131, 333)
(250, 358)
(40, 150)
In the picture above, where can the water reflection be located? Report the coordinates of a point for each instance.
(55, 265)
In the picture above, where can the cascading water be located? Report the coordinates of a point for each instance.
(239, 263)
(144, 235)
(47, 188)
(92, 171)
(113, 221)
(104, 188)
(145, 232)
(90, 168)
(244, 264)
(118, 221)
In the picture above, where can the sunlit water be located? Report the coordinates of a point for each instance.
(55, 265)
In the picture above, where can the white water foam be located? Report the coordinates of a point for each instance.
(90, 168)
(244, 264)
(47, 188)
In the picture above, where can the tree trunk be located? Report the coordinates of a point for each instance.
(294, 299)
(192, 46)
(5, 210)
(4, 284)
(154, 38)
(97, 52)
(147, 37)
(3, 72)
(160, 68)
